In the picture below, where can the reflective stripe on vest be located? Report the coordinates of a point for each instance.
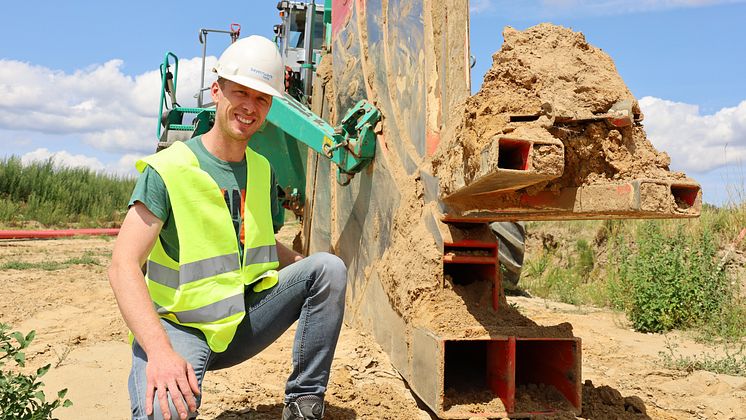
(207, 268)
(193, 271)
(209, 313)
(261, 254)
(205, 288)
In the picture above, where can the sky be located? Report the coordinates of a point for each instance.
(79, 80)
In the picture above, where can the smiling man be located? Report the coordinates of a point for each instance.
(200, 218)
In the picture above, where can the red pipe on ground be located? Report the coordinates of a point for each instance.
(51, 234)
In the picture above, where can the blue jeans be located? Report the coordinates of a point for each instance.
(310, 291)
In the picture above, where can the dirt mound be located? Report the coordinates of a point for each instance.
(550, 64)
(549, 82)
(606, 402)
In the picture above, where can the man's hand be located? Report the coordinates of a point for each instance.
(286, 255)
(167, 371)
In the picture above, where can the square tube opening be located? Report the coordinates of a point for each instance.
(478, 377)
(469, 274)
(524, 118)
(684, 195)
(471, 268)
(513, 154)
(547, 375)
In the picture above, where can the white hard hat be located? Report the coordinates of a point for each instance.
(254, 62)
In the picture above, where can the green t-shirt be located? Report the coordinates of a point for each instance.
(230, 177)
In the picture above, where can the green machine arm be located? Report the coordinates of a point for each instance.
(351, 145)
(291, 127)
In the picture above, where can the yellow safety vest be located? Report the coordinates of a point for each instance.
(205, 288)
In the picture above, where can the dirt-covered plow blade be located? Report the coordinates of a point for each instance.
(538, 142)
(639, 198)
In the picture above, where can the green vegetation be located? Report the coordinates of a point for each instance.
(666, 274)
(59, 196)
(672, 280)
(23, 265)
(21, 395)
(86, 259)
(733, 363)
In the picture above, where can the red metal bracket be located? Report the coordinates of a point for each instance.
(468, 262)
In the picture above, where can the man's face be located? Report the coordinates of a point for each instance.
(239, 110)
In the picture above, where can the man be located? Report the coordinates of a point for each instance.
(211, 297)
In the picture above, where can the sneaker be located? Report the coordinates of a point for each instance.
(306, 407)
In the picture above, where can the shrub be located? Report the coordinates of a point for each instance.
(547, 278)
(562, 284)
(21, 395)
(664, 274)
(585, 263)
(674, 279)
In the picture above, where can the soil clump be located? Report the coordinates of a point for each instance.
(605, 402)
(548, 82)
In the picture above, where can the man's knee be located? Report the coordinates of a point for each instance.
(333, 264)
(333, 269)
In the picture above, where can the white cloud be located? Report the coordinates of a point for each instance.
(125, 166)
(696, 142)
(478, 6)
(109, 109)
(62, 158)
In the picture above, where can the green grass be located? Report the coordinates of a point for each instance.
(58, 196)
(23, 265)
(666, 274)
(732, 363)
(86, 259)
(562, 277)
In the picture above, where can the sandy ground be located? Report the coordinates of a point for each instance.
(80, 332)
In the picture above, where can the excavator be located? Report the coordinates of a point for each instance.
(357, 146)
